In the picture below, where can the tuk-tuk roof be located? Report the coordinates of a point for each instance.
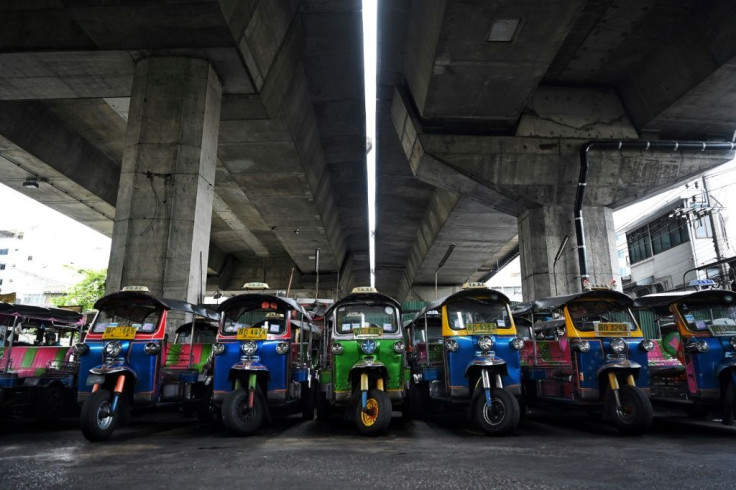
(558, 301)
(661, 301)
(122, 297)
(461, 294)
(58, 316)
(249, 297)
(363, 298)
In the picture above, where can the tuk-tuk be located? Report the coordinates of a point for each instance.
(465, 353)
(38, 375)
(587, 351)
(363, 365)
(127, 361)
(699, 329)
(265, 360)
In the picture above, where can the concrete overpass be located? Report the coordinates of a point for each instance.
(238, 130)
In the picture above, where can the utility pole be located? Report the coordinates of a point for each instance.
(722, 273)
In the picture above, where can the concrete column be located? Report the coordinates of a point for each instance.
(542, 230)
(164, 206)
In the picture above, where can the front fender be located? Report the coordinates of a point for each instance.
(618, 365)
(117, 368)
(485, 362)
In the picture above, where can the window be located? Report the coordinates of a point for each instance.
(30, 257)
(702, 229)
(3, 251)
(2, 267)
(640, 246)
(667, 233)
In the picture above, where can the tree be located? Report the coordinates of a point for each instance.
(86, 291)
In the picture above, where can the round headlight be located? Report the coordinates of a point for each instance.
(618, 346)
(485, 343)
(112, 349)
(733, 342)
(248, 347)
(517, 343)
(702, 346)
(152, 348)
(337, 348)
(451, 345)
(583, 346)
(647, 345)
(218, 348)
(399, 347)
(282, 348)
(80, 349)
(368, 346)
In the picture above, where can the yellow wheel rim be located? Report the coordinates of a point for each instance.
(370, 415)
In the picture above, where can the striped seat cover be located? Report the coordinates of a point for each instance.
(29, 361)
(177, 356)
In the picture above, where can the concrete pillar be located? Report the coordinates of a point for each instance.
(542, 230)
(164, 206)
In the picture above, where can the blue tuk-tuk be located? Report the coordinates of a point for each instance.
(465, 353)
(127, 361)
(265, 359)
(698, 328)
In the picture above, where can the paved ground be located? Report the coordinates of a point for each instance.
(170, 451)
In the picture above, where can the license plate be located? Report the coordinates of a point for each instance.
(120, 333)
(249, 333)
(368, 332)
(611, 329)
(481, 328)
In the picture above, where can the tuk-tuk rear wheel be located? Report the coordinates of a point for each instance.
(50, 405)
(503, 415)
(376, 418)
(636, 413)
(98, 420)
(237, 417)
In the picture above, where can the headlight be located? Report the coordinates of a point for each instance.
(517, 343)
(582, 346)
(399, 347)
(337, 348)
(152, 348)
(282, 348)
(112, 349)
(80, 349)
(368, 346)
(218, 348)
(248, 348)
(451, 345)
(647, 345)
(733, 342)
(485, 343)
(618, 346)
(702, 346)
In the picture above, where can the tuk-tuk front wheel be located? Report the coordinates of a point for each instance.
(98, 420)
(634, 417)
(376, 418)
(238, 417)
(501, 416)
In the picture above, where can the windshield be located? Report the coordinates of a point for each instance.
(350, 317)
(720, 320)
(143, 317)
(479, 314)
(587, 315)
(264, 314)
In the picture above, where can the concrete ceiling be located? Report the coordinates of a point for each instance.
(291, 170)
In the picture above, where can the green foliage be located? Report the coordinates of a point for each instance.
(85, 292)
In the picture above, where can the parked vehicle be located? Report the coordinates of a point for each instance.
(127, 361)
(465, 353)
(265, 360)
(363, 366)
(700, 332)
(38, 375)
(587, 351)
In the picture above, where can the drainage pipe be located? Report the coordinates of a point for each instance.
(666, 146)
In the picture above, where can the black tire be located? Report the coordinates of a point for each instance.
(207, 411)
(729, 405)
(502, 417)
(237, 417)
(97, 420)
(636, 414)
(50, 405)
(377, 417)
(307, 402)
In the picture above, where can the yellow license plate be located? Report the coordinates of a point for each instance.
(119, 333)
(612, 329)
(249, 333)
(367, 332)
(481, 328)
